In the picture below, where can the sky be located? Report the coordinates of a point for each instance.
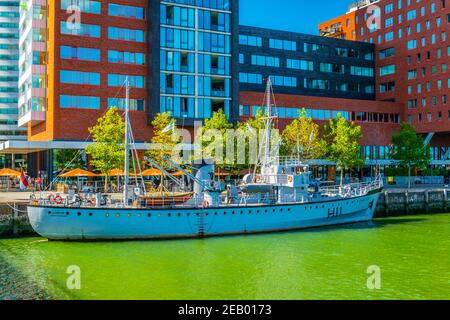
(290, 15)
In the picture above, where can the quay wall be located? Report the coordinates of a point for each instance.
(393, 202)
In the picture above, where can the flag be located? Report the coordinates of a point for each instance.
(170, 127)
(23, 179)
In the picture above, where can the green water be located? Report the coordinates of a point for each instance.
(413, 254)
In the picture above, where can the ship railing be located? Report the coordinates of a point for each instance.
(352, 190)
(287, 161)
(271, 178)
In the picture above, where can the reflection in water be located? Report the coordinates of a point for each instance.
(328, 263)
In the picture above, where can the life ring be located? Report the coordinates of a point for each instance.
(290, 179)
(58, 199)
(205, 204)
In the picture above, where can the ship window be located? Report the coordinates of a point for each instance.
(117, 214)
(106, 215)
(281, 210)
(215, 213)
(79, 213)
(257, 211)
(224, 213)
(242, 212)
(169, 214)
(67, 213)
(273, 210)
(289, 209)
(207, 214)
(90, 214)
(179, 214)
(149, 215)
(249, 211)
(159, 214)
(138, 214)
(49, 212)
(188, 214)
(265, 211)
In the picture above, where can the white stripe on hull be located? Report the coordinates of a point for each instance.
(60, 223)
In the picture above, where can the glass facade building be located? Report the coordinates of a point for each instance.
(9, 71)
(195, 49)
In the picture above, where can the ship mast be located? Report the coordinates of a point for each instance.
(127, 147)
(268, 125)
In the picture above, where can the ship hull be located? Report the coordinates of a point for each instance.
(67, 223)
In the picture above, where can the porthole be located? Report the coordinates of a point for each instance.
(117, 214)
(159, 214)
(233, 212)
(266, 211)
(242, 212)
(249, 211)
(224, 213)
(90, 214)
(179, 214)
(67, 213)
(149, 215)
(215, 213)
(106, 215)
(139, 215)
(197, 214)
(79, 213)
(281, 210)
(49, 212)
(207, 214)
(289, 209)
(169, 214)
(273, 210)
(257, 211)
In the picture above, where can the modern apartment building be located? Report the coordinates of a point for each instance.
(412, 54)
(9, 75)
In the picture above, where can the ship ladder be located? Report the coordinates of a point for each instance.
(200, 224)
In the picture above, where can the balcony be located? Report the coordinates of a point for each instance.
(31, 116)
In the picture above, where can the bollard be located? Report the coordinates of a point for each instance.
(445, 200)
(15, 220)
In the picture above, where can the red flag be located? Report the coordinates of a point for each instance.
(23, 179)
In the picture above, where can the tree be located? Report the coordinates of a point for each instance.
(342, 139)
(302, 137)
(409, 149)
(165, 138)
(68, 159)
(108, 149)
(211, 139)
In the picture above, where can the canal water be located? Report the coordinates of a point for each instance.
(411, 253)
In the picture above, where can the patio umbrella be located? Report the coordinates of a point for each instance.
(116, 172)
(152, 173)
(76, 173)
(6, 172)
(180, 173)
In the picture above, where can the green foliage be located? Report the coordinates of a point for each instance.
(342, 140)
(408, 148)
(108, 148)
(163, 141)
(211, 138)
(68, 159)
(302, 136)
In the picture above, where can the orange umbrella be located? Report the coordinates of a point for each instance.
(116, 172)
(180, 173)
(152, 173)
(9, 173)
(78, 173)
